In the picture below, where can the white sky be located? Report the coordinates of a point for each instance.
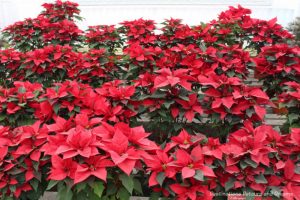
(96, 12)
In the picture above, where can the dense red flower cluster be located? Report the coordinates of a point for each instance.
(57, 61)
(103, 36)
(55, 25)
(257, 158)
(93, 114)
(286, 59)
(28, 101)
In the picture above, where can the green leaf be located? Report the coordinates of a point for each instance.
(268, 171)
(229, 184)
(22, 90)
(77, 109)
(35, 165)
(123, 194)
(243, 164)
(127, 182)
(271, 58)
(291, 62)
(12, 188)
(177, 127)
(2, 117)
(51, 184)
(186, 98)
(203, 47)
(215, 117)
(154, 196)
(250, 112)
(56, 108)
(81, 186)
(23, 122)
(292, 117)
(160, 178)
(221, 163)
(158, 95)
(297, 169)
(260, 179)
(251, 64)
(275, 191)
(105, 198)
(251, 162)
(230, 73)
(15, 171)
(98, 188)
(199, 175)
(83, 195)
(9, 198)
(162, 113)
(22, 104)
(167, 104)
(64, 193)
(93, 45)
(28, 73)
(111, 189)
(137, 186)
(250, 194)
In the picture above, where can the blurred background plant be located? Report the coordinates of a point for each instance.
(3, 43)
(294, 27)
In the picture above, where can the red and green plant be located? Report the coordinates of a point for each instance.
(118, 111)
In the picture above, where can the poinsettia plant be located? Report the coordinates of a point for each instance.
(126, 110)
(277, 64)
(54, 25)
(289, 100)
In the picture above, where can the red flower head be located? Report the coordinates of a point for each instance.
(79, 141)
(185, 140)
(161, 162)
(191, 107)
(95, 166)
(189, 163)
(62, 168)
(122, 154)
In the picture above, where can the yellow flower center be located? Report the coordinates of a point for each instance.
(185, 141)
(190, 166)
